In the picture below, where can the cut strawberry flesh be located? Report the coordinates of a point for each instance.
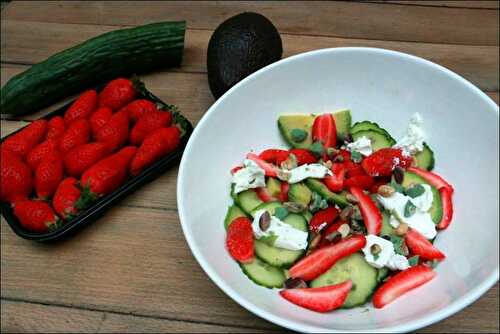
(274, 156)
(383, 161)
(372, 217)
(434, 179)
(335, 182)
(322, 219)
(325, 130)
(329, 230)
(359, 181)
(447, 202)
(322, 299)
(268, 168)
(422, 247)
(303, 156)
(239, 240)
(285, 186)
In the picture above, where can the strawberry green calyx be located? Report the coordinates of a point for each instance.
(87, 197)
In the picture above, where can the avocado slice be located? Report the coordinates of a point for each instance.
(299, 193)
(273, 187)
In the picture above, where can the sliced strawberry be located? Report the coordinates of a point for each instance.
(323, 218)
(329, 230)
(235, 169)
(374, 187)
(239, 239)
(434, 179)
(325, 130)
(383, 161)
(274, 156)
(401, 283)
(353, 169)
(371, 214)
(359, 181)
(422, 247)
(303, 156)
(264, 194)
(268, 168)
(285, 186)
(323, 259)
(322, 299)
(335, 182)
(447, 202)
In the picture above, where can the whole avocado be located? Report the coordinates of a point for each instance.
(238, 47)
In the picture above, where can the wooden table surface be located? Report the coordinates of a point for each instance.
(132, 270)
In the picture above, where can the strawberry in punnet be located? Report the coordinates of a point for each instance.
(324, 299)
(56, 128)
(372, 217)
(402, 283)
(323, 259)
(283, 196)
(359, 181)
(383, 161)
(66, 197)
(109, 173)
(446, 199)
(114, 133)
(80, 158)
(35, 215)
(157, 144)
(83, 106)
(42, 150)
(274, 156)
(264, 194)
(335, 182)
(434, 179)
(148, 123)
(136, 109)
(117, 94)
(325, 130)
(77, 133)
(422, 247)
(15, 177)
(99, 118)
(303, 156)
(239, 240)
(22, 142)
(268, 168)
(322, 219)
(48, 175)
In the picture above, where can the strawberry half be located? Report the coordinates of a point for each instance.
(359, 181)
(383, 161)
(322, 299)
(335, 182)
(268, 168)
(274, 156)
(433, 178)
(325, 130)
(422, 247)
(372, 217)
(402, 283)
(322, 219)
(285, 187)
(323, 259)
(303, 156)
(239, 240)
(446, 199)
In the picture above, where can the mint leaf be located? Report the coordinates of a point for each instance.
(413, 261)
(298, 135)
(375, 256)
(397, 242)
(410, 209)
(281, 212)
(415, 191)
(356, 157)
(317, 202)
(317, 148)
(270, 240)
(399, 188)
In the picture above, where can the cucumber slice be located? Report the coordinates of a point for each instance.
(367, 125)
(263, 274)
(319, 187)
(354, 268)
(387, 228)
(342, 122)
(382, 274)
(269, 206)
(378, 139)
(308, 215)
(436, 210)
(248, 200)
(425, 158)
(233, 212)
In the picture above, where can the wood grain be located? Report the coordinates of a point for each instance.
(32, 42)
(341, 19)
(486, 4)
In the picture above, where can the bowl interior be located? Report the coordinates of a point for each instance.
(377, 85)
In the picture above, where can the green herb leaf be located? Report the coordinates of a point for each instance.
(434, 263)
(399, 188)
(413, 261)
(356, 157)
(410, 209)
(281, 212)
(415, 191)
(397, 242)
(270, 240)
(317, 203)
(317, 148)
(298, 135)
(376, 256)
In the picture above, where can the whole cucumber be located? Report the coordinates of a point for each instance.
(117, 53)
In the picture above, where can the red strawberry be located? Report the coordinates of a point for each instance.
(329, 230)
(402, 283)
(446, 199)
(117, 94)
(264, 194)
(322, 299)
(325, 130)
(65, 198)
(359, 181)
(55, 128)
(115, 132)
(109, 173)
(322, 219)
(15, 177)
(274, 156)
(148, 123)
(83, 106)
(303, 156)
(335, 182)
(323, 259)
(48, 147)
(434, 179)
(22, 142)
(48, 175)
(157, 144)
(80, 158)
(99, 118)
(372, 217)
(378, 182)
(383, 161)
(136, 109)
(77, 133)
(239, 240)
(285, 186)
(422, 247)
(235, 169)
(269, 169)
(36, 216)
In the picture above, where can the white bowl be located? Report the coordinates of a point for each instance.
(383, 86)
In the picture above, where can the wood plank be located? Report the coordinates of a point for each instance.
(22, 317)
(371, 20)
(486, 4)
(108, 268)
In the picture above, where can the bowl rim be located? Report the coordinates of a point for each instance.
(412, 325)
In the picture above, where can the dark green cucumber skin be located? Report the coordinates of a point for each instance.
(100, 59)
